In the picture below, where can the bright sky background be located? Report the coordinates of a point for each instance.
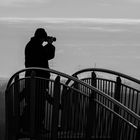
(95, 23)
(90, 33)
(70, 8)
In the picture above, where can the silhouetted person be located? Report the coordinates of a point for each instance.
(37, 55)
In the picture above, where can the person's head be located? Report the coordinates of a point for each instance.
(41, 34)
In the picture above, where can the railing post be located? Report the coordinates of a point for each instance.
(7, 115)
(91, 116)
(15, 112)
(94, 79)
(75, 106)
(75, 95)
(12, 111)
(64, 107)
(138, 133)
(116, 108)
(55, 112)
(117, 92)
(32, 104)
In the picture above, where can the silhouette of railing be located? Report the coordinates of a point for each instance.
(73, 109)
(123, 88)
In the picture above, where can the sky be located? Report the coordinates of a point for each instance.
(101, 33)
(70, 8)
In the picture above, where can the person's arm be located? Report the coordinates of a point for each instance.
(50, 51)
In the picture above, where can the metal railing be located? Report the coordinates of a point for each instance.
(75, 110)
(123, 88)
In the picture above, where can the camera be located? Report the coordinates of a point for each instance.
(51, 38)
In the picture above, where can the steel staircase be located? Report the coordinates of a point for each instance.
(76, 107)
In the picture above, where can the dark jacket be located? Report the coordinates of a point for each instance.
(37, 56)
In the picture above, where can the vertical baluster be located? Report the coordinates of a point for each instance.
(55, 112)
(91, 116)
(76, 108)
(116, 108)
(138, 133)
(8, 113)
(16, 107)
(32, 104)
(137, 102)
(12, 110)
(64, 105)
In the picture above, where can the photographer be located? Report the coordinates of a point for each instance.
(37, 55)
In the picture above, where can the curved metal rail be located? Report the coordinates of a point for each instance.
(107, 71)
(77, 109)
(123, 88)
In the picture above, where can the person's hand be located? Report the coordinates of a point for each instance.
(50, 41)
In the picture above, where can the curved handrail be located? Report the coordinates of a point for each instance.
(80, 82)
(107, 71)
(110, 81)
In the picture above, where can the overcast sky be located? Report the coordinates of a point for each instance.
(71, 8)
(75, 23)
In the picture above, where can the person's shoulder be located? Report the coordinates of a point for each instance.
(50, 44)
(31, 42)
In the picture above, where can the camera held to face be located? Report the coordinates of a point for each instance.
(51, 39)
